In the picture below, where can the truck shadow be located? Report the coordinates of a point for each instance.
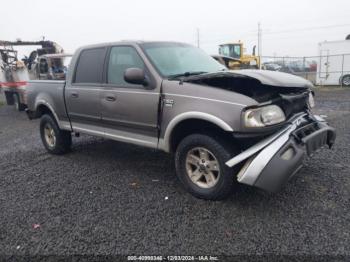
(157, 165)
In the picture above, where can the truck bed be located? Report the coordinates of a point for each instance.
(49, 93)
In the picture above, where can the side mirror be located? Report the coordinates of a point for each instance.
(135, 76)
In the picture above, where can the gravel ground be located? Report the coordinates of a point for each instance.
(107, 198)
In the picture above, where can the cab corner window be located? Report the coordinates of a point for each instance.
(90, 66)
(120, 59)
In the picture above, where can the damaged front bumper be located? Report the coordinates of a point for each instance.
(272, 161)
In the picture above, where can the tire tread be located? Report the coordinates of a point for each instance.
(223, 151)
(63, 138)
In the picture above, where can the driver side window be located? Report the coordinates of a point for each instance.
(120, 59)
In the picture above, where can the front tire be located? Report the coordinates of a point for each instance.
(200, 166)
(55, 140)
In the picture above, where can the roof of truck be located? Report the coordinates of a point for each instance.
(56, 55)
(132, 42)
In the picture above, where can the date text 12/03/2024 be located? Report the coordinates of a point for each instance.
(173, 258)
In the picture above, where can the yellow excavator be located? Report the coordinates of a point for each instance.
(232, 56)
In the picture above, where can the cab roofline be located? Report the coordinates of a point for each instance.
(131, 42)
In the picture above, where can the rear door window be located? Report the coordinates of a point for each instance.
(90, 66)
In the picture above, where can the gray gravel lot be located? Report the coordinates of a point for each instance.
(109, 198)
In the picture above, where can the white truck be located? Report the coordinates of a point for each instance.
(334, 63)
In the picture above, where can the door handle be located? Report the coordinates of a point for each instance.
(74, 95)
(111, 98)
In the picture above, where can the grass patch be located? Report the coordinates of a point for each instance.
(2, 103)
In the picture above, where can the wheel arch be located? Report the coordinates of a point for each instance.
(191, 122)
(43, 107)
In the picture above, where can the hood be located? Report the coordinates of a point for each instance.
(273, 78)
(264, 77)
(289, 91)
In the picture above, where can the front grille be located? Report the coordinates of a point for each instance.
(293, 103)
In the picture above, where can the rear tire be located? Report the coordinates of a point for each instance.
(345, 80)
(200, 166)
(55, 140)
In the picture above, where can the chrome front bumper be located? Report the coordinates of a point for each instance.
(272, 161)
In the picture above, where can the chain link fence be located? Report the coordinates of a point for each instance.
(320, 70)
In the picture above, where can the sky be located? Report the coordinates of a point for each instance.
(289, 28)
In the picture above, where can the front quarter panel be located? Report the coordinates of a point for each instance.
(183, 101)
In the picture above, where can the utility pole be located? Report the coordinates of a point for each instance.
(259, 43)
(198, 38)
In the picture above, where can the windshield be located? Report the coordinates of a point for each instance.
(58, 67)
(172, 59)
(60, 63)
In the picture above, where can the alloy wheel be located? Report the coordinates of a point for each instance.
(202, 167)
(49, 134)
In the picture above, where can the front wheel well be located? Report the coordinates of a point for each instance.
(197, 126)
(42, 110)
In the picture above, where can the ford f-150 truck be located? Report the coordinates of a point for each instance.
(250, 126)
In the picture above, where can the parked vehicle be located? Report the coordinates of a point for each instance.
(334, 65)
(52, 66)
(16, 72)
(223, 126)
(2, 74)
(233, 57)
(13, 83)
(271, 66)
(15, 94)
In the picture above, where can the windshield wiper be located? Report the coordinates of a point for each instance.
(171, 77)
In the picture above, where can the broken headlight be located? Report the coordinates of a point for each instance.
(311, 101)
(263, 116)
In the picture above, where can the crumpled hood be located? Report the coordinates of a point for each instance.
(265, 77)
(273, 78)
(260, 85)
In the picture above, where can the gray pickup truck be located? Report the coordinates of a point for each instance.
(250, 126)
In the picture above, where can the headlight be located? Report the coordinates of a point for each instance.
(311, 101)
(263, 116)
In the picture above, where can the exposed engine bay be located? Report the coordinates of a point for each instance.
(291, 99)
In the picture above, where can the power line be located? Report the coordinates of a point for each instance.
(307, 28)
(308, 36)
(252, 34)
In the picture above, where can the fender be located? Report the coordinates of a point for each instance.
(164, 143)
(62, 124)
